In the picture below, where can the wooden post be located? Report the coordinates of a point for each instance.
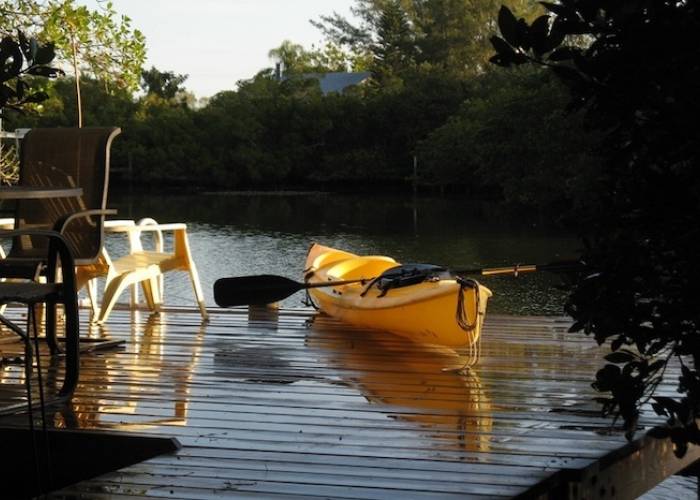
(415, 174)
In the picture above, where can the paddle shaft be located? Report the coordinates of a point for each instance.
(517, 269)
(334, 283)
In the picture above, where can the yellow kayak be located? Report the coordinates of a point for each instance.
(421, 302)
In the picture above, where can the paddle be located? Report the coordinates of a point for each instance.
(268, 288)
(262, 289)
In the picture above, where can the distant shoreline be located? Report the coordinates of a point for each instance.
(265, 193)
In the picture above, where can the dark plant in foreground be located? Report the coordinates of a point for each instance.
(18, 59)
(634, 66)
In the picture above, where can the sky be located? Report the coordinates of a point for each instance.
(218, 42)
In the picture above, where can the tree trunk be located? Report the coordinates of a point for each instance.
(78, 99)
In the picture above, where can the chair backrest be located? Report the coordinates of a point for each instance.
(65, 157)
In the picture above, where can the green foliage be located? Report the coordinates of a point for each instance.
(102, 44)
(97, 43)
(394, 52)
(271, 134)
(478, 134)
(446, 36)
(454, 34)
(164, 84)
(105, 44)
(296, 60)
(636, 78)
(20, 59)
(512, 141)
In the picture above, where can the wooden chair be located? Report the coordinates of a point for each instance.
(63, 157)
(147, 267)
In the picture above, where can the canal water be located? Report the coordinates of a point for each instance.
(239, 234)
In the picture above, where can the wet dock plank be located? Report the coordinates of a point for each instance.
(286, 404)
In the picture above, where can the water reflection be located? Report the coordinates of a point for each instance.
(410, 382)
(240, 234)
(157, 365)
(254, 360)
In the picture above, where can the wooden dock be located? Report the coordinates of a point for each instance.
(269, 403)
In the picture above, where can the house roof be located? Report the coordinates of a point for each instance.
(337, 81)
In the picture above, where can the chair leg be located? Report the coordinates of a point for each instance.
(92, 295)
(197, 287)
(112, 292)
(51, 320)
(156, 289)
(135, 295)
(150, 292)
(72, 345)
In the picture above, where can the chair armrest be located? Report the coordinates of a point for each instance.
(58, 250)
(61, 223)
(135, 228)
(116, 223)
(146, 225)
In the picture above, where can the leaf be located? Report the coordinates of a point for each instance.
(557, 34)
(620, 357)
(607, 377)
(44, 71)
(538, 35)
(670, 404)
(680, 449)
(7, 92)
(33, 47)
(508, 25)
(11, 51)
(36, 97)
(659, 409)
(501, 46)
(19, 88)
(25, 45)
(523, 30)
(505, 54)
(617, 343)
(558, 9)
(577, 326)
(44, 54)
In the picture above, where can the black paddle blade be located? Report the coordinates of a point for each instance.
(253, 290)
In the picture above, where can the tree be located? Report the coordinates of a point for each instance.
(164, 84)
(96, 43)
(394, 51)
(446, 36)
(295, 59)
(453, 37)
(511, 140)
(636, 77)
(357, 37)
